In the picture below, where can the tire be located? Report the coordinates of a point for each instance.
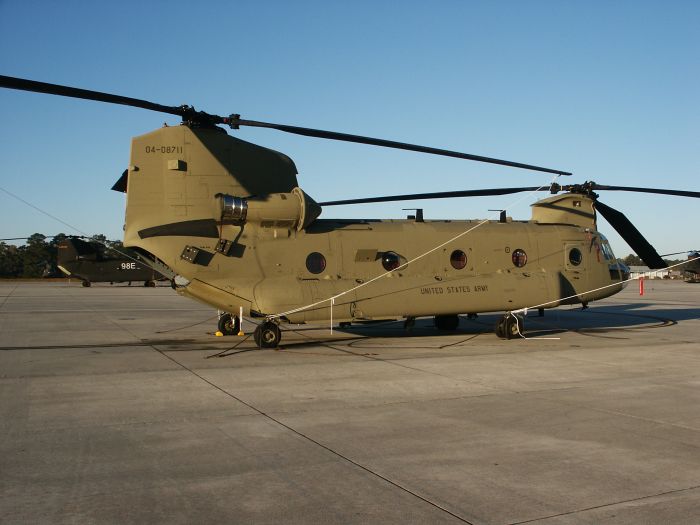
(500, 328)
(149, 284)
(509, 326)
(86, 284)
(267, 335)
(229, 324)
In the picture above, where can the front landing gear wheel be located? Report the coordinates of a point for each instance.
(229, 324)
(267, 335)
(510, 326)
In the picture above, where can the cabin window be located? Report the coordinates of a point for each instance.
(315, 262)
(391, 261)
(519, 258)
(575, 256)
(458, 259)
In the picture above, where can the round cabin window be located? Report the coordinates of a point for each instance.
(458, 259)
(575, 256)
(519, 258)
(315, 262)
(391, 261)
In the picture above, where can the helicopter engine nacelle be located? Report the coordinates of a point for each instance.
(294, 210)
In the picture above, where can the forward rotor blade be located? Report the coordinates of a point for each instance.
(67, 91)
(436, 195)
(660, 191)
(631, 235)
(234, 122)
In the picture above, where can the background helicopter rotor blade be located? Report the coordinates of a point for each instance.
(631, 235)
(689, 252)
(188, 113)
(45, 236)
(436, 195)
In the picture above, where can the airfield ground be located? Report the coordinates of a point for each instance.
(113, 410)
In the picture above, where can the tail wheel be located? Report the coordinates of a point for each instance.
(267, 335)
(229, 324)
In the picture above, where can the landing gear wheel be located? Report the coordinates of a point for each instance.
(446, 322)
(267, 335)
(229, 324)
(86, 284)
(509, 326)
(149, 284)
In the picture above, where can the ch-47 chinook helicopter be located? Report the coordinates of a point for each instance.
(691, 269)
(92, 262)
(230, 219)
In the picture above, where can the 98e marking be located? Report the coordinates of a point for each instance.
(164, 149)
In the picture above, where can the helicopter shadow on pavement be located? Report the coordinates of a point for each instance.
(590, 321)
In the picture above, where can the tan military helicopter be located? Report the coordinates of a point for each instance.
(691, 269)
(230, 219)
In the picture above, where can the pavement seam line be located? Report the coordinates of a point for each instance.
(577, 511)
(317, 443)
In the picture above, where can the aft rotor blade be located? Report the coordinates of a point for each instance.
(234, 122)
(436, 195)
(631, 235)
(72, 92)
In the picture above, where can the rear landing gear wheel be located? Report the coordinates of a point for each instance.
(446, 322)
(267, 335)
(149, 284)
(86, 284)
(229, 324)
(510, 326)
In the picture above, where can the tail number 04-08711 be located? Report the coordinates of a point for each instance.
(164, 149)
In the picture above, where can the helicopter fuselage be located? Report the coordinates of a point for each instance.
(402, 268)
(229, 217)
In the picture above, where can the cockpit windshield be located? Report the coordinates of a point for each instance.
(607, 250)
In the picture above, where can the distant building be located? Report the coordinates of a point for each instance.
(637, 271)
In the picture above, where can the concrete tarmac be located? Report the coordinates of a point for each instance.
(114, 409)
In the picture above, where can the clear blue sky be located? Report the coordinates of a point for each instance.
(607, 90)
